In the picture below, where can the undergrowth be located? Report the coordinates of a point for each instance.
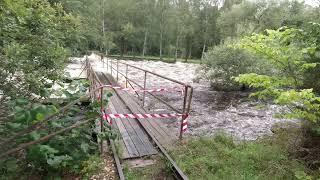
(219, 157)
(159, 170)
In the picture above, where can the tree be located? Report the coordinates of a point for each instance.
(34, 40)
(289, 50)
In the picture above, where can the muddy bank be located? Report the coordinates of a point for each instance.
(211, 111)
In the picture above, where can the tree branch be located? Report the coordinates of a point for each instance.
(43, 139)
(39, 124)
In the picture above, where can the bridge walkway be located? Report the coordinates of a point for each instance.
(135, 133)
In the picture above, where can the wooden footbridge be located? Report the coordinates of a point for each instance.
(138, 135)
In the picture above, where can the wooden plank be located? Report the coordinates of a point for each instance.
(132, 106)
(136, 132)
(137, 135)
(132, 151)
(163, 136)
(142, 150)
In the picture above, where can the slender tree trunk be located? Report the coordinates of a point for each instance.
(177, 47)
(103, 28)
(186, 55)
(161, 39)
(205, 36)
(190, 51)
(122, 47)
(203, 50)
(144, 49)
(161, 28)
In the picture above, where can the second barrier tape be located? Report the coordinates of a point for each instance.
(108, 117)
(174, 89)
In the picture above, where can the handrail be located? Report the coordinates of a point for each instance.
(188, 90)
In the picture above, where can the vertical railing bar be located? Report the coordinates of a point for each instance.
(189, 100)
(111, 66)
(107, 64)
(101, 119)
(102, 59)
(117, 70)
(183, 110)
(144, 87)
(126, 75)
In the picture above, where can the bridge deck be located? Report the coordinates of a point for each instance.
(134, 138)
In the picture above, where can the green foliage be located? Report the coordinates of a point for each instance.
(224, 62)
(91, 165)
(219, 157)
(62, 153)
(292, 52)
(33, 38)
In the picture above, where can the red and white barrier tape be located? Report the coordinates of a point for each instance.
(175, 89)
(184, 125)
(107, 118)
(146, 116)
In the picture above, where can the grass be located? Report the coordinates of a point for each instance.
(155, 58)
(160, 170)
(220, 158)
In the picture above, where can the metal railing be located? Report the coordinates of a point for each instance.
(187, 93)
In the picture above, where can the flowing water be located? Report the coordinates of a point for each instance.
(211, 111)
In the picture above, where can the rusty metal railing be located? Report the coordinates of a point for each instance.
(95, 92)
(187, 93)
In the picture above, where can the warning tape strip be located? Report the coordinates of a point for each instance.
(175, 89)
(146, 116)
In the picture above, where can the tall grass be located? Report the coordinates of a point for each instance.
(220, 158)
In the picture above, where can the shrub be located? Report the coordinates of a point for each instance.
(224, 62)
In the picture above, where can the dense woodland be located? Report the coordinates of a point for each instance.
(180, 28)
(269, 47)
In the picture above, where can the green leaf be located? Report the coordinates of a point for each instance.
(40, 117)
(22, 101)
(11, 165)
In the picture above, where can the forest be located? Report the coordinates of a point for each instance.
(269, 49)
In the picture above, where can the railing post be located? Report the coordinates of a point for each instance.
(111, 66)
(101, 119)
(102, 59)
(107, 64)
(117, 70)
(183, 111)
(126, 75)
(144, 87)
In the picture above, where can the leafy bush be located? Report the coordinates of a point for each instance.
(289, 51)
(63, 153)
(224, 62)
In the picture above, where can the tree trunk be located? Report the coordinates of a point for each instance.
(203, 50)
(144, 49)
(161, 28)
(161, 37)
(103, 28)
(122, 47)
(177, 47)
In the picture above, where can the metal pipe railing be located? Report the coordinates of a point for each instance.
(188, 90)
(95, 82)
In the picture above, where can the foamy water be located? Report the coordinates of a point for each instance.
(211, 111)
